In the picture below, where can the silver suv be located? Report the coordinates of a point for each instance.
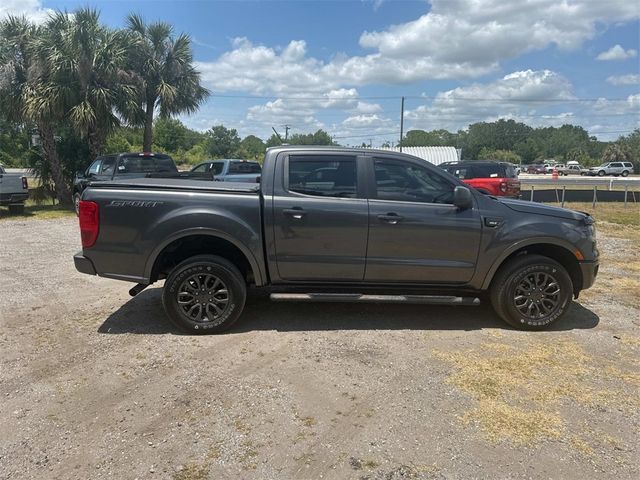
(612, 168)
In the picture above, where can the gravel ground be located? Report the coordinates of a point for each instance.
(95, 384)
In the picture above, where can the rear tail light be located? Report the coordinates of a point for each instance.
(89, 223)
(503, 187)
(25, 185)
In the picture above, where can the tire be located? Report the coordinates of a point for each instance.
(511, 301)
(601, 173)
(186, 281)
(16, 209)
(76, 202)
(625, 173)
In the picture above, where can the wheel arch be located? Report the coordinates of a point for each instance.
(200, 241)
(555, 250)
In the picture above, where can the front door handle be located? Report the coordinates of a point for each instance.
(295, 212)
(390, 218)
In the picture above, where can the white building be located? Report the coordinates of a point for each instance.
(435, 155)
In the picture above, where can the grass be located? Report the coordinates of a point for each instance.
(611, 212)
(519, 391)
(39, 211)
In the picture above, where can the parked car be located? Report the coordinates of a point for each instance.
(231, 170)
(492, 178)
(554, 166)
(123, 165)
(573, 169)
(612, 168)
(339, 225)
(14, 190)
(537, 169)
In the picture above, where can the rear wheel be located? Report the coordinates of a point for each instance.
(204, 294)
(625, 173)
(531, 292)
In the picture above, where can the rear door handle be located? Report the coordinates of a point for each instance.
(390, 218)
(295, 212)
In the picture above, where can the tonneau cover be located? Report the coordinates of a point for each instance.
(179, 184)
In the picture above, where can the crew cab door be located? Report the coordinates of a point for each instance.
(320, 217)
(416, 234)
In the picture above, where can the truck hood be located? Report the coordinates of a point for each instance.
(540, 209)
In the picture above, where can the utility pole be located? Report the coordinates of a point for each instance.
(286, 132)
(401, 122)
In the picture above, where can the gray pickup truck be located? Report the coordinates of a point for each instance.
(14, 190)
(336, 224)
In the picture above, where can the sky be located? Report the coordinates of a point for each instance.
(343, 66)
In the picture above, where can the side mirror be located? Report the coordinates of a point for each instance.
(80, 175)
(462, 198)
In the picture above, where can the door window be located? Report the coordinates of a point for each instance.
(201, 168)
(95, 167)
(108, 164)
(323, 176)
(406, 182)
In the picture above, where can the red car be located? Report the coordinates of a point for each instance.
(493, 178)
(537, 169)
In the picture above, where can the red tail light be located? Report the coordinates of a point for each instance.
(25, 185)
(89, 223)
(503, 187)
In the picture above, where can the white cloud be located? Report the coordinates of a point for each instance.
(630, 79)
(517, 95)
(32, 9)
(617, 53)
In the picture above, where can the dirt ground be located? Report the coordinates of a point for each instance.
(95, 384)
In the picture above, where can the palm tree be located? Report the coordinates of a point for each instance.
(616, 152)
(161, 67)
(24, 95)
(86, 62)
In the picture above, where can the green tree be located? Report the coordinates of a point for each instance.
(499, 155)
(253, 147)
(632, 143)
(320, 137)
(222, 142)
(25, 95)
(273, 141)
(162, 71)
(616, 152)
(86, 62)
(171, 135)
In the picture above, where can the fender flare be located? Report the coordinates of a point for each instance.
(253, 263)
(518, 246)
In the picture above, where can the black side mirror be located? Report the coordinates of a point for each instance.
(462, 198)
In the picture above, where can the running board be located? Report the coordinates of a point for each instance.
(358, 298)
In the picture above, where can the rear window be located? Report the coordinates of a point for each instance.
(244, 167)
(141, 164)
(467, 171)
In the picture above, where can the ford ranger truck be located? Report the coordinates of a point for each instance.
(336, 225)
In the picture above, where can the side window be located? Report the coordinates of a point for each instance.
(216, 168)
(616, 165)
(95, 167)
(323, 176)
(406, 182)
(201, 168)
(108, 164)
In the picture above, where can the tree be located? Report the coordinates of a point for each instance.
(320, 137)
(616, 152)
(499, 155)
(86, 62)
(171, 135)
(252, 146)
(632, 143)
(25, 93)
(222, 142)
(162, 71)
(274, 141)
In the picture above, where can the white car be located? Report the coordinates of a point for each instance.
(612, 168)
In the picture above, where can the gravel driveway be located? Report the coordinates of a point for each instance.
(95, 384)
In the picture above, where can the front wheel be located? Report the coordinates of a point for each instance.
(601, 173)
(204, 294)
(531, 292)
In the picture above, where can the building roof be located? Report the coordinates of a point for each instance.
(435, 155)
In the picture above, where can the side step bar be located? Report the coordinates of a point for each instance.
(359, 298)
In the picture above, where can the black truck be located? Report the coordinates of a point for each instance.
(119, 166)
(336, 224)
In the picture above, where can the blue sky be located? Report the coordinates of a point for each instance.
(343, 65)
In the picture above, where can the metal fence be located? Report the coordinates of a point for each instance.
(595, 195)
